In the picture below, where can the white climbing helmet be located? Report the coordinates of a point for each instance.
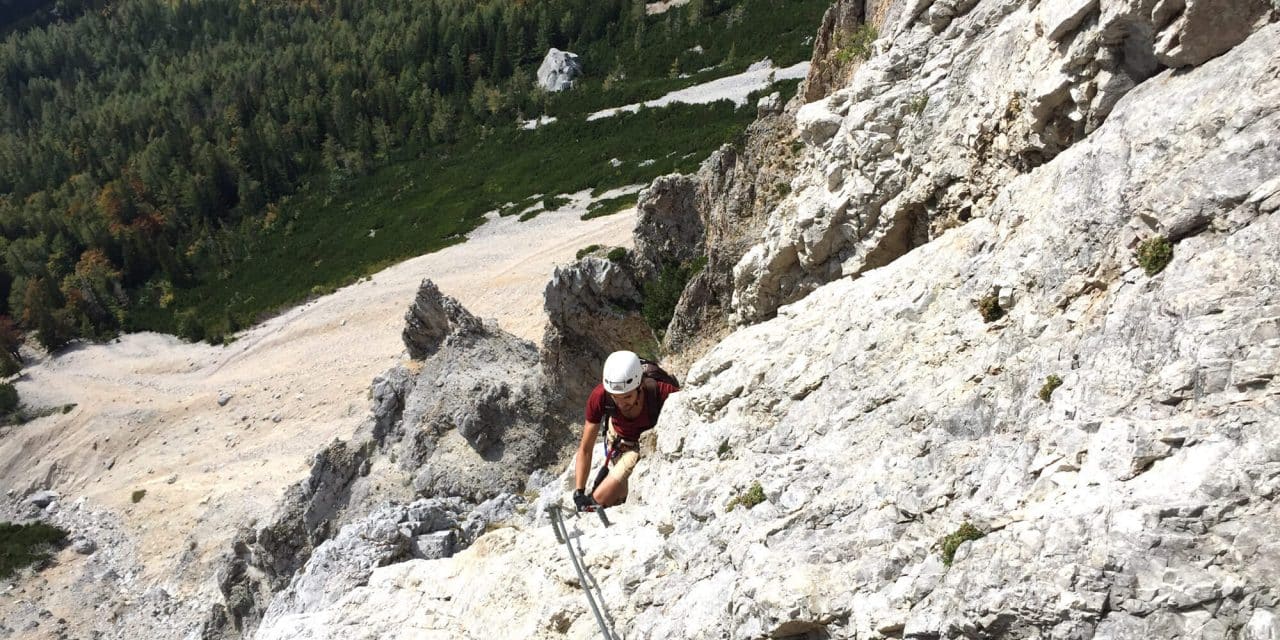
(622, 372)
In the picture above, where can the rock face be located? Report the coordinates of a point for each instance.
(593, 309)
(558, 70)
(875, 417)
(668, 227)
(433, 317)
(426, 529)
(965, 98)
(466, 421)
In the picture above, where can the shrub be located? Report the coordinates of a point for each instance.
(990, 308)
(1154, 255)
(138, 495)
(26, 544)
(9, 365)
(1050, 384)
(551, 203)
(587, 250)
(662, 294)
(617, 254)
(8, 398)
(749, 498)
(965, 533)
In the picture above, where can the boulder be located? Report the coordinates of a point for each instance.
(558, 70)
(769, 105)
(42, 499)
(816, 123)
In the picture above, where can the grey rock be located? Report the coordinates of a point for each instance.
(1199, 30)
(558, 70)
(1262, 626)
(223, 398)
(434, 317)
(42, 499)
(668, 229)
(84, 546)
(432, 546)
(769, 105)
(592, 307)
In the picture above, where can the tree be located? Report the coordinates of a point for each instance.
(40, 310)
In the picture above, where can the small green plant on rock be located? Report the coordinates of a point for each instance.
(749, 498)
(949, 544)
(26, 544)
(617, 254)
(989, 307)
(1154, 255)
(138, 495)
(856, 43)
(724, 449)
(918, 103)
(587, 250)
(1050, 384)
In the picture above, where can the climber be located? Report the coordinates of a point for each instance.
(626, 403)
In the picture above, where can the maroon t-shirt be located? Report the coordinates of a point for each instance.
(629, 428)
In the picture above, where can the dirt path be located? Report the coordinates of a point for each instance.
(148, 416)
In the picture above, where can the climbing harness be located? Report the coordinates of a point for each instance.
(562, 535)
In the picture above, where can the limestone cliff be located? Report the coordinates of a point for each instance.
(969, 408)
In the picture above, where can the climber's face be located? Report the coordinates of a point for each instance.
(628, 402)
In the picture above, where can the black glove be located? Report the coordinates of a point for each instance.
(582, 501)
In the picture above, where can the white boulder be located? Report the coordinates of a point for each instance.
(558, 70)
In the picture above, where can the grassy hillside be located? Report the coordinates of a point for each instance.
(193, 167)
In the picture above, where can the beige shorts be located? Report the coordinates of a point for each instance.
(621, 467)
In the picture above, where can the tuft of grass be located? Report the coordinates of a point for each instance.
(22, 545)
(587, 250)
(749, 498)
(989, 308)
(918, 103)
(949, 544)
(1154, 255)
(617, 254)
(1050, 384)
(138, 495)
(724, 449)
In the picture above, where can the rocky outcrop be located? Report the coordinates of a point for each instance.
(558, 70)
(733, 191)
(668, 227)
(432, 318)
(961, 99)
(425, 529)
(593, 310)
(467, 420)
